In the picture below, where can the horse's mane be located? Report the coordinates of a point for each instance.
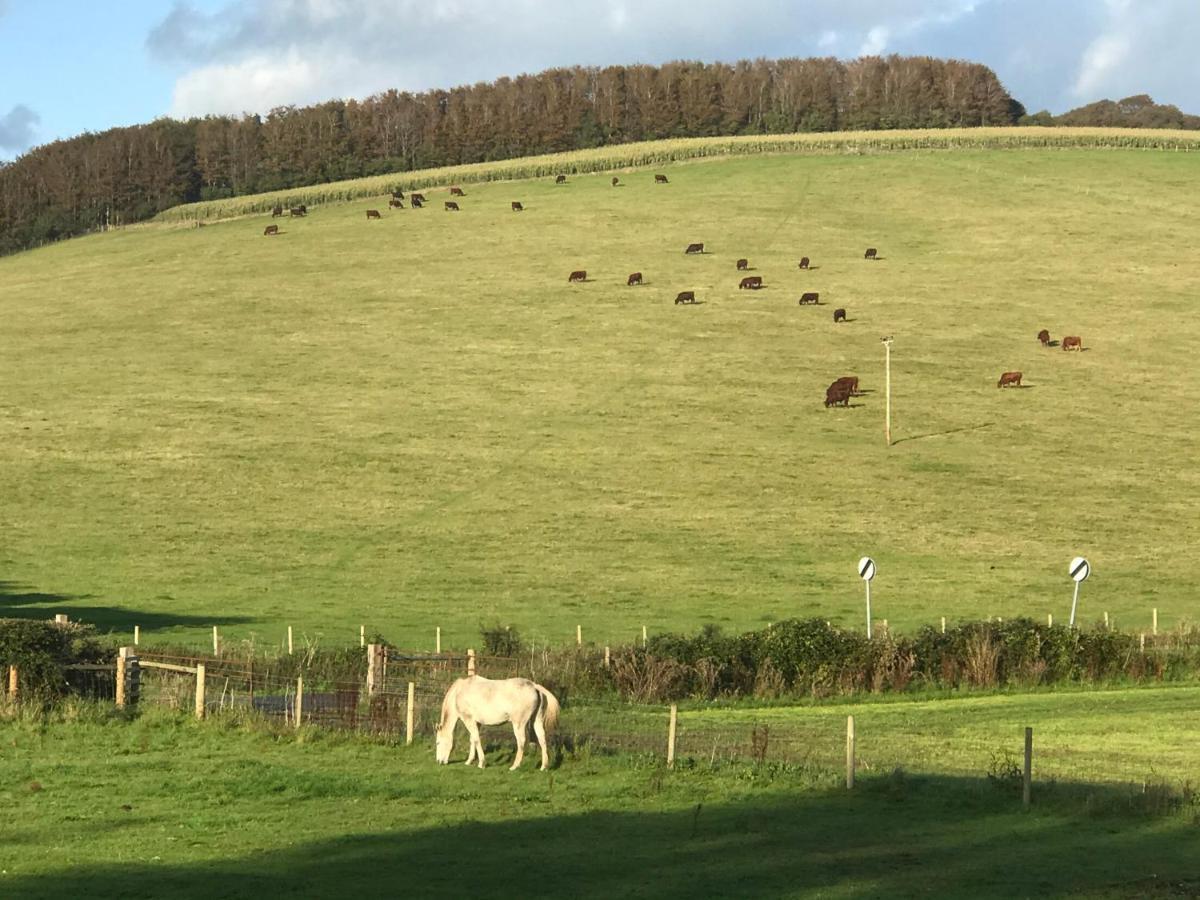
(446, 703)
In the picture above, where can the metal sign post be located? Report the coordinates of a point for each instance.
(1079, 570)
(866, 571)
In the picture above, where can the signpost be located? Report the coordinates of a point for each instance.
(1079, 570)
(866, 571)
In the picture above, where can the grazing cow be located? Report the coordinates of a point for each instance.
(451, 206)
(871, 253)
(1044, 337)
(517, 207)
(397, 195)
(743, 264)
(277, 211)
(561, 179)
(694, 248)
(839, 315)
(685, 297)
(415, 197)
(297, 211)
(577, 275)
(457, 192)
(615, 181)
(753, 282)
(810, 297)
(416, 202)
(373, 214)
(851, 381)
(395, 204)
(837, 394)
(272, 229)
(660, 179)
(1008, 378)
(635, 278)
(1072, 343)
(804, 262)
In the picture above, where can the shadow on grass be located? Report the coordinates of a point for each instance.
(894, 836)
(918, 437)
(18, 602)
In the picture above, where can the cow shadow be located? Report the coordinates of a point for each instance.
(845, 321)
(1052, 343)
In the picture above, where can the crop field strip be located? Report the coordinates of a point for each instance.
(417, 421)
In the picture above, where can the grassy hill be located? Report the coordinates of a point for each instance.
(417, 421)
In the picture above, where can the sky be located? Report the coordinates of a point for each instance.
(68, 66)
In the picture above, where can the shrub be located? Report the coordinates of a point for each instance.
(40, 650)
(500, 640)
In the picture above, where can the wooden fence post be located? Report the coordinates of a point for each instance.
(643, 637)
(607, 657)
(61, 619)
(849, 752)
(299, 700)
(943, 624)
(437, 647)
(216, 642)
(137, 633)
(1050, 619)
(120, 685)
(408, 714)
(12, 684)
(1142, 642)
(671, 736)
(1154, 621)
(362, 635)
(374, 669)
(289, 640)
(1106, 620)
(200, 690)
(133, 679)
(1026, 794)
(579, 635)
(470, 663)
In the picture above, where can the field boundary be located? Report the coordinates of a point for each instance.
(660, 152)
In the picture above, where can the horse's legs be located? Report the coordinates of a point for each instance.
(476, 743)
(519, 731)
(539, 728)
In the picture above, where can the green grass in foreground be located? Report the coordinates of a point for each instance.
(418, 422)
(165, 807)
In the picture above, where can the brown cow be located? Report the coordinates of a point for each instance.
(1069, 343)
(660, 179)
(685, 297)
(397, 195)
(851, 381)
(871, 253)
(457, 192)
(635, 278)
(451, 206)
(297, 211)
(577, 275)
(517, 207)
(753, 282)
(615, 181)
(839, 315)
(272, 229)
(277, 211)
(837, 394)
(743, 264)
(395, 204)
(416, 202)
(415, 197)
(561, 179)
(694, 248)
(810, 297)
(1008, 378)
(373, 214)
(1044, 337)
(804, 262)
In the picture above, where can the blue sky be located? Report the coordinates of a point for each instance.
(68, 66)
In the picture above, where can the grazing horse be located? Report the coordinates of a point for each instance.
(839, 315)
(451, 206)
(743, 264)
(808, 297)
(685, 297)
(1072, 343)
(804, 262)
(517, 207)
(635, 278)
(560, 179)
(660, 179)
(482, 701)
(1044, 337)
(272, 229)
(694, 248)
(373, 214)
(577, 275)
(1008, 378)
(457, 192)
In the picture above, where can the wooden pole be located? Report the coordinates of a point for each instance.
(579, 635)
(1142, 642)
(200, 691)
(362, 635)
(12, 684)
(1027, 792)
(1154, 621)
(137, 633)
(943, 624)
(1106, 620)
(216, 642)
(373, 673)
(289, 640)
(61, 619)
(470, 663)
(408, 714)
(299, 700)
(1050, 619)
(671, 736)
(607, 658)
(643, 637)
(437, 647)
(849, 753)
(120, 697)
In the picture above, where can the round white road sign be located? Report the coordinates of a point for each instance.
(866, 568)
(1079, 568)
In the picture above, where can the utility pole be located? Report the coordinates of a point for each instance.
(887, 427)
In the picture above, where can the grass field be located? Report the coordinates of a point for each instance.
(162, 806)
(418, 422)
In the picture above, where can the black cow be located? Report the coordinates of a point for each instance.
(516, 205)
(804, 262)
(561, 179)
(660, 179)
(451, 206)
(871, 253)
(694, 248)
(839, 315)
(635, 278)
(751, 282)
(373, 214)
(685, 297)
(810, 297)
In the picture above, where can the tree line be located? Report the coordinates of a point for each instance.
(122, 175)
(1139, 111)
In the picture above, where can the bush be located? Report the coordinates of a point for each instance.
(41, 649)
(500, 640)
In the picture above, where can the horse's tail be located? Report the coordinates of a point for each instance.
(550, 708)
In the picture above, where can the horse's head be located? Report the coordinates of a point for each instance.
(445, 743)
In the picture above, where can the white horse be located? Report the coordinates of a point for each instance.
(481, 701)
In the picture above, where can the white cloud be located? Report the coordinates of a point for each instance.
(1100, 59)
(18, 128)
(876, 42)
(256, 83)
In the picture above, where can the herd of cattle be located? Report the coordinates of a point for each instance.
(838, 393)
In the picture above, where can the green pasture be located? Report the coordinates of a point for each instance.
(417, 422)
(163, 806)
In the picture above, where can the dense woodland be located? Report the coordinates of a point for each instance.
(1133, 112)
(126, 174)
